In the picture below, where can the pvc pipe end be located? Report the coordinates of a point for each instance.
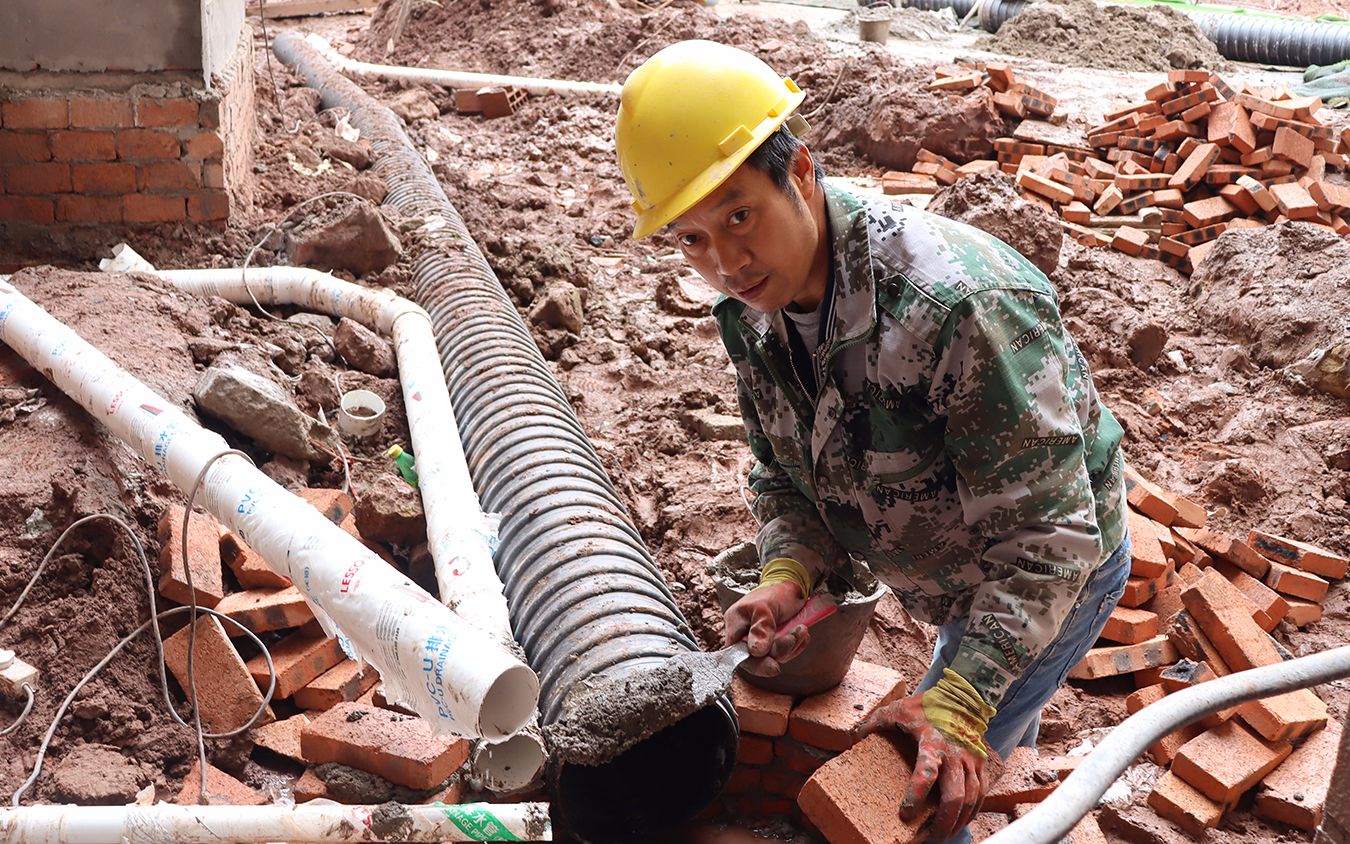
(513, 765)
(509, 704)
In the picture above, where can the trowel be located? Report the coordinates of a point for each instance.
(608, 715)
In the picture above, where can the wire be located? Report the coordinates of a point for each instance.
(27, 707)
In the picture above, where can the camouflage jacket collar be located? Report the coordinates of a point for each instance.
(854, 308)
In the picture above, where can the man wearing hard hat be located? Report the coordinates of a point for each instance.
(911, 398)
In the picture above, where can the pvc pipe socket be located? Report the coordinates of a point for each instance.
(360, 414)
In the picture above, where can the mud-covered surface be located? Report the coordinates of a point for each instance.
(1081, 33)
(608, 715)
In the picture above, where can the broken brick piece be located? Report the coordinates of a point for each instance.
(310, 786)
(1024, 780)
(203, 558)
(1177, 801)
(265, 610)
(1301, 555)
(1302, 613)
(249, 568)
(852, 799)
(1141, 590)
(1288, 580)
(1295, 792)
(499, 102)
(298, 659)
(346, 681)
(282, 737)
(1109, 662)
(1269, 603)
(827, 720)
(1108, 200)
(335, 504)
(761, 712)
(1226, 761)
(401, 748)
(1130, 626)
(227, 693)
(221, 789)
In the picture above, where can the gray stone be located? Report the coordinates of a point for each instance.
(95, 774)
(356, 239)
(205, 349)
(711, 425)
(560, 306)
(260, 410)
(414, 104)
(363, 349)
(389, 510)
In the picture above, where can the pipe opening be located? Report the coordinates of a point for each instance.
(509, 703)
(511, 765)
(657, 784)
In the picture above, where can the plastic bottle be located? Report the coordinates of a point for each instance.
(407, 467)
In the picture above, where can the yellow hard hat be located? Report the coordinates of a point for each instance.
(688, 117)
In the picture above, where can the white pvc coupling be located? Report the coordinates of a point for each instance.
(462, 680)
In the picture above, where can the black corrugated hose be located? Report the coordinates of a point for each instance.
(585, 595)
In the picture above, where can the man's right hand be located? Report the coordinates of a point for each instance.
(756, 618)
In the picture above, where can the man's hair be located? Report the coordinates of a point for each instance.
(774, 157)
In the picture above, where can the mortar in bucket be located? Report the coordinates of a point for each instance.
(874, 22)
(834, 641)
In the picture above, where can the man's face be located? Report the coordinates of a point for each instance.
(752, 240)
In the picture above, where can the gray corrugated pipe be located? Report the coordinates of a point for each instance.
(961, 7)
(1243, 38)
(585, 596)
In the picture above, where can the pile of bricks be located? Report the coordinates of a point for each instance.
(1163, 177)
(1200, 603)
(340, 714)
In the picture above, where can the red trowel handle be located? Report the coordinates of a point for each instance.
(815, 610)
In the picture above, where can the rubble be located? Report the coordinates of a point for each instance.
(260, 410)
(354, 237)
(389, 510)
(364, 349)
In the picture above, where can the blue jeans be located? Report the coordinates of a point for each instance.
(1018, 721)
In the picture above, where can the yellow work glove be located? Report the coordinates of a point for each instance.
(957, 711)
(785, 570)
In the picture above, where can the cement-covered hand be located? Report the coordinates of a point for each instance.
(756, 619)
(948, 723)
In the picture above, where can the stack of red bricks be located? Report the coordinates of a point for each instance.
(1164, 177)
(1200, 603)
(90, 159)
(801, 759)
(314, 678)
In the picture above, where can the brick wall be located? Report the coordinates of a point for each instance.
(152, 154)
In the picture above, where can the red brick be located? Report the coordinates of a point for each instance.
(1165, 749)
(265, 610)
(1140, 590)
(1332, 198)
(1285, 717)
(1207, 212)
(744, 780)
(827, 720)
(151, 208)
(1270, 605)
(796, 756)
(1288, 580)
(1302, 613)
(203, 556)
(1192, 170)
(1130, 626)
(1227, 547)
(104, 179)
(36, 113)
(89, 209)
(754, 750)
(988, 823)
(207, 206)
(298, 660)
(166, 113)
(1192, 642)
(205, 145)
(84, 146)
(1187, 673)
(1130, 240)
(783, 783)
(171, 175)
(1047, 188)
(213, 175)
(760, 712)
(310, 787)
(1174, 799)
(335, 504)
(1109, 662)
(100, 113)
(400, 748)
(1224, 614)
(147, 143)
(1226, 761)
(1149, 676)
(345, 682)
(208, 114)
(853, 798)
(1024, 780)
(1293, 147)
(1294, 201)
(249, 568)
(1147, 558)
(1296, 791)
(1301, 555)
(24, 146)
(282, 737)
(50, 177)
(221, 789)
(227, 693)
(36, 210)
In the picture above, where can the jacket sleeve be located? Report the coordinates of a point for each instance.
(790, 525)
(1014, 433)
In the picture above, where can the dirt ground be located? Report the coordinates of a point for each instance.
(1211, 415)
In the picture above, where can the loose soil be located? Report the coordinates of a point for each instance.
(1213, 416)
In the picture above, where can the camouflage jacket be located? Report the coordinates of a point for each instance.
(956, 443)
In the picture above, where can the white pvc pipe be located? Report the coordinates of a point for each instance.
(457, 78)
(460, 679)
(316, 821)
(460, 536)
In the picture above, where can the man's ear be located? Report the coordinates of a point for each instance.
(803, 172)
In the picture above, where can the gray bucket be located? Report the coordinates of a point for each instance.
(874, 23)
(834, 641)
